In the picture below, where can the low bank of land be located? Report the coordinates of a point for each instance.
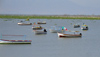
(90, 17)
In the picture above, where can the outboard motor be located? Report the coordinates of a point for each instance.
(80, 33)
(45, 30)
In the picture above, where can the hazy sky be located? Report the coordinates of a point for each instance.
(50, 7)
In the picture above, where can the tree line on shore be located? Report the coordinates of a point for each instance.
(52, 16)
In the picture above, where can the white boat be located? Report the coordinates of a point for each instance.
(69, 35)
(55, 29)
(84, 27)
(40, 31)
(2, 41)
(24, 23)
(39, 22)
(76, 26)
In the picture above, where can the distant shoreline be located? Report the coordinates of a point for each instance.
(90, 17)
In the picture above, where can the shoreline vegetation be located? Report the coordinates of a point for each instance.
(88, 17)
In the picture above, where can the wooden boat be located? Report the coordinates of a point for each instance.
(55, 29)
(69, 35)
(84, 27)
(76, 25)
(44, 22)
(24, 23)
(40, 32)
(37, 28)
(2, 41)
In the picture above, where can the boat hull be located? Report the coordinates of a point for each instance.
(40, 32)
(24, 23)
(41, 23)
(15, 41)
(84, 28)
(36, 28)
(69, 35)
(76, 26)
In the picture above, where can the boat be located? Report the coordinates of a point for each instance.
(3, 41)
(35, 27)
(84, 27)
(69, 35)
(39, 22)
(40, 31)
(24, 23)
(55, 29)
(76, 25)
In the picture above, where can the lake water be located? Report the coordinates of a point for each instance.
(50, 45)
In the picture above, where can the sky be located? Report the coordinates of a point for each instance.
(50, 7)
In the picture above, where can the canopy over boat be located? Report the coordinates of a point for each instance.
(55, 29)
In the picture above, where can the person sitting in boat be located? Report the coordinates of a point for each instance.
(45, 30)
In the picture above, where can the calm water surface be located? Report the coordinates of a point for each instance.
(50, 45)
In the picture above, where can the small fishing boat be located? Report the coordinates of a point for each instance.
(39, 22)
(2, 41)
(55, 29)
(84, 27)
(24, 23)
(37, 27)
(76, 26)
(69, 35)
(40, 31)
